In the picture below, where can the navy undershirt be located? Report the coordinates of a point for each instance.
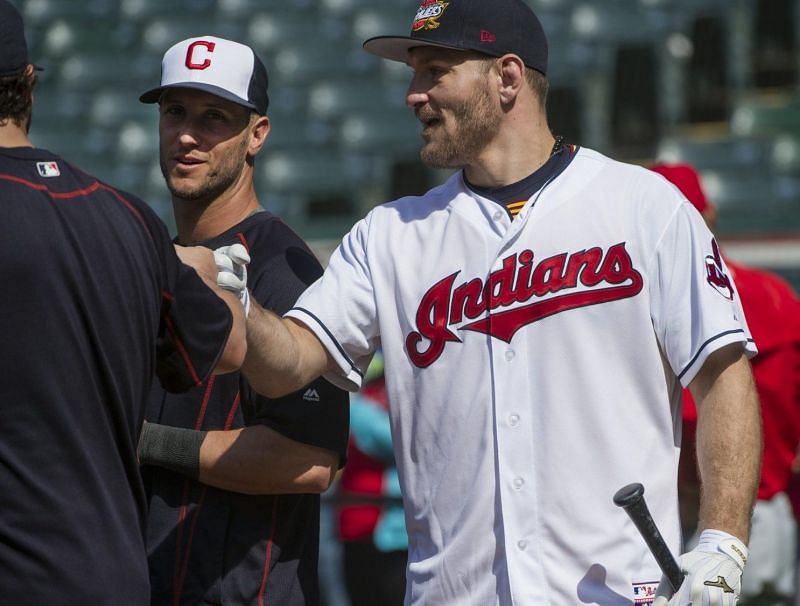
(514, 196)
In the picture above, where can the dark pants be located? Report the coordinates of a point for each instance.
(374, 577)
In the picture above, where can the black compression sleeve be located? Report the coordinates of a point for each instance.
(173, 448)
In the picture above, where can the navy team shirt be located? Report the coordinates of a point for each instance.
(212, 546)
(94, 301)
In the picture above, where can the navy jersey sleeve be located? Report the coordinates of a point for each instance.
(195, 322)
(280, 271)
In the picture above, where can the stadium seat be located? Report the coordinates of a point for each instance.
(778, 116)
(728, 153)
(143, 10)
(310, 171)
(384, 131)
(785, 156)
(753, 202)
(112, 107)
(245, 9)
(269, 31)
(160, 33)
(335, 97)
(614, 23)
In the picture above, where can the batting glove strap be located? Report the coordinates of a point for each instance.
(713, 573)
(232, 272)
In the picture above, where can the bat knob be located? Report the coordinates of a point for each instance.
(628, 495)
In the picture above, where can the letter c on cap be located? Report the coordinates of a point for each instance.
(190, 62)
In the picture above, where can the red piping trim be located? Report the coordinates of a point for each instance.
(181, 564)
(268, 555)
(77, 193)
(182, 350)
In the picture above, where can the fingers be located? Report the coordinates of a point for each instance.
(236, 253)
(230, 281)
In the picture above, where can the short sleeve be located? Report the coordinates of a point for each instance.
(195, 324)
(340, 308)
(695, 305)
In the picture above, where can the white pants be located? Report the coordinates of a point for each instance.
(773, 549)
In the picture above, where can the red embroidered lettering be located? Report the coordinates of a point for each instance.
(517, 281)
(190, 62)
(432, 324)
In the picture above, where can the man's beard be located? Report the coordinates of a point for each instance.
(216, 182)
(476, 119)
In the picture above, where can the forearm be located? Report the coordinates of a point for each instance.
(258, 460)
(728, 442)
(251, 460)
(283, 355)
(202, 261)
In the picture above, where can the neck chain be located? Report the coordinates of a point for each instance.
(559, 143)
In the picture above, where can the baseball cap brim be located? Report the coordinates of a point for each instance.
(395, 48)
(154, 95)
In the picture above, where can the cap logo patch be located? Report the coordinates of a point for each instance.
(48, 169)
(715, 273)
(193, 58)
(428, 15)
(488, 36)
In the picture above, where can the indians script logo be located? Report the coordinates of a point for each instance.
(607, 275)
(715, 273)
(428, 15)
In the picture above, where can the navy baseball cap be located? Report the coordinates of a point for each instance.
(491, 27)
(224, 68)
(13, 46)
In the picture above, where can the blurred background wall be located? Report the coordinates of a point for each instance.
(712, 82)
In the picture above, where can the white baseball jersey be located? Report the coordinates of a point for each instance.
(534, 367)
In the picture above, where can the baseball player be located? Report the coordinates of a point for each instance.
(538, 314)
(94, 300)
(234, 478)
(773, 313)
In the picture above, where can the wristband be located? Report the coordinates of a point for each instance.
(173, 448)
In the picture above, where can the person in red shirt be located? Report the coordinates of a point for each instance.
(772, 309)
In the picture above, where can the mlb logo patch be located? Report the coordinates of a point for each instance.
(644, 593)
(48, 169)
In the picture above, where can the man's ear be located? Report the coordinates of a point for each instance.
(512, 74)
(259, 130)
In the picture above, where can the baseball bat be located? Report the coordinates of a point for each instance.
(631, 499)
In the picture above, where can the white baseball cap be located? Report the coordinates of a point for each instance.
(224, 68)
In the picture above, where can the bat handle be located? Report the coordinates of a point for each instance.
(631, 499)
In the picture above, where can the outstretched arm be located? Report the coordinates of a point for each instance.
(202, 260)
(283, 355)
(728, 441)
(249, 460)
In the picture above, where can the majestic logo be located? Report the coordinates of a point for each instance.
(48, 169)
(311, 395)
(191, 60)
(428, 15)
(607, 276)
(715, 273)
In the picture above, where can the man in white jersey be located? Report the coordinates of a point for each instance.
(538, 314)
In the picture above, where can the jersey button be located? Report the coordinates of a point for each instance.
(519, 483)
(522, 544)
(510, 355)
(513, 420)
(498, 215)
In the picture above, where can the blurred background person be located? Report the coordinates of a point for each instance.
(772, 310)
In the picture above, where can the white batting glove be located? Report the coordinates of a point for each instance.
(232, 272)
(713, 573)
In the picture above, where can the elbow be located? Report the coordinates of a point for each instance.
(233, 355)
(320, 479)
